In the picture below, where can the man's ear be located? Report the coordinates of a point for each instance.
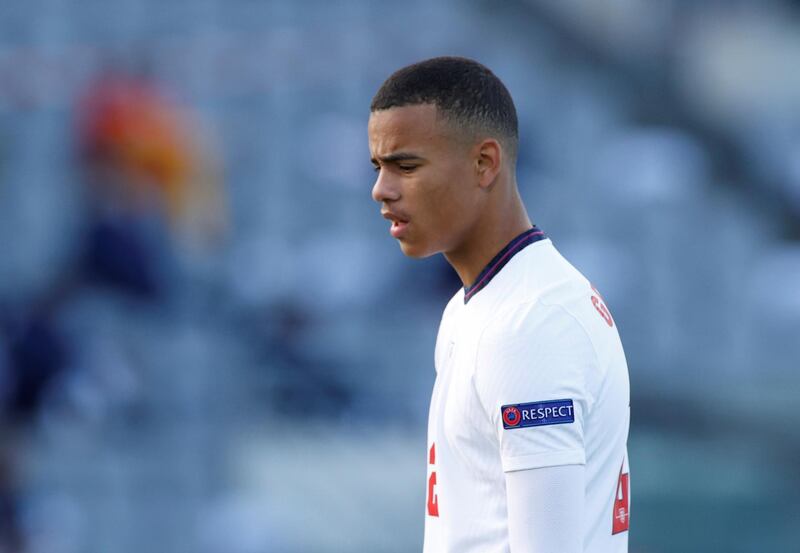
(488, 161)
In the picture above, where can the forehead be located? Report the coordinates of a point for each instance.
(415, 126)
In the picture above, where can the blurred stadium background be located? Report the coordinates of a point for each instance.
(209, 343)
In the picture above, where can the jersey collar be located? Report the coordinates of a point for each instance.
(499, 261)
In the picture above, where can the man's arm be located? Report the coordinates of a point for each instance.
(545, 509)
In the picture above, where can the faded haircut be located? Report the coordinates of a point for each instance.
(465, 93)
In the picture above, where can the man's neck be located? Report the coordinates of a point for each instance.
(499, 226)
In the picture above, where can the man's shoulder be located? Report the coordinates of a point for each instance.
(550, 296)
(555, 305)
(544, 281)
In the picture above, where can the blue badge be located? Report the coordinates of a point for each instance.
(539, 413)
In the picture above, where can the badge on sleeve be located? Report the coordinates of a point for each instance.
(538, 413)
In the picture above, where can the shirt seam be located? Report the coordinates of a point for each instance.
(588, 337)
(579, 459)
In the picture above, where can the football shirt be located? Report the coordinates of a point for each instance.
(530, 373)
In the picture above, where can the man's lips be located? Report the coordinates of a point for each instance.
(399, 223)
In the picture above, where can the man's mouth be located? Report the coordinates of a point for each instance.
(398, 228)
(399, 224)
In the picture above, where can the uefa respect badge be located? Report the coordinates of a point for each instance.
(538, 413)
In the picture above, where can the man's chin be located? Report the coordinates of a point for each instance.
(415, 251)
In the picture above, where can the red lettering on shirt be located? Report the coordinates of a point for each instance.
(601, 308)
(433, 499)
(622, 516)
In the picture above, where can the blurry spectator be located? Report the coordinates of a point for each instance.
(11, 536)
(145, 185)
(38, 353)
(142, 157)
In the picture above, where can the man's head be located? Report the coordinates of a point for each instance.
(441, 132)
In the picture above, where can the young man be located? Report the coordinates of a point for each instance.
(529, 417)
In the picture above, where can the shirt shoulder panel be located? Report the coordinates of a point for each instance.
(531, 356)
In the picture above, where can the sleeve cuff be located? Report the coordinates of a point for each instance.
(548, 459)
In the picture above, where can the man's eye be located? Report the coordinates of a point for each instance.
(407, 168)
(376, 168)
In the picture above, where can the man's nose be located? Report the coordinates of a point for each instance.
(385, 189)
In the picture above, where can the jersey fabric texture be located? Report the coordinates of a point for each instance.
(530, 373)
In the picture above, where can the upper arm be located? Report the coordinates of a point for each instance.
(539, 355)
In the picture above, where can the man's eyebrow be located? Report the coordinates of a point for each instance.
(394, 158)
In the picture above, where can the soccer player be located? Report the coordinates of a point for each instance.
(529, 415)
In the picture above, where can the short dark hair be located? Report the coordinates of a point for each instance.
(464, 91)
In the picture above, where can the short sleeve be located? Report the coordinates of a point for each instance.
(530, 376)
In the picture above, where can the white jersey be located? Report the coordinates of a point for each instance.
(530, 373)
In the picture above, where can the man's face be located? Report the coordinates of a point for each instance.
(427, 183)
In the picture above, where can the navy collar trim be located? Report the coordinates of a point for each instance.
(499, 261)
